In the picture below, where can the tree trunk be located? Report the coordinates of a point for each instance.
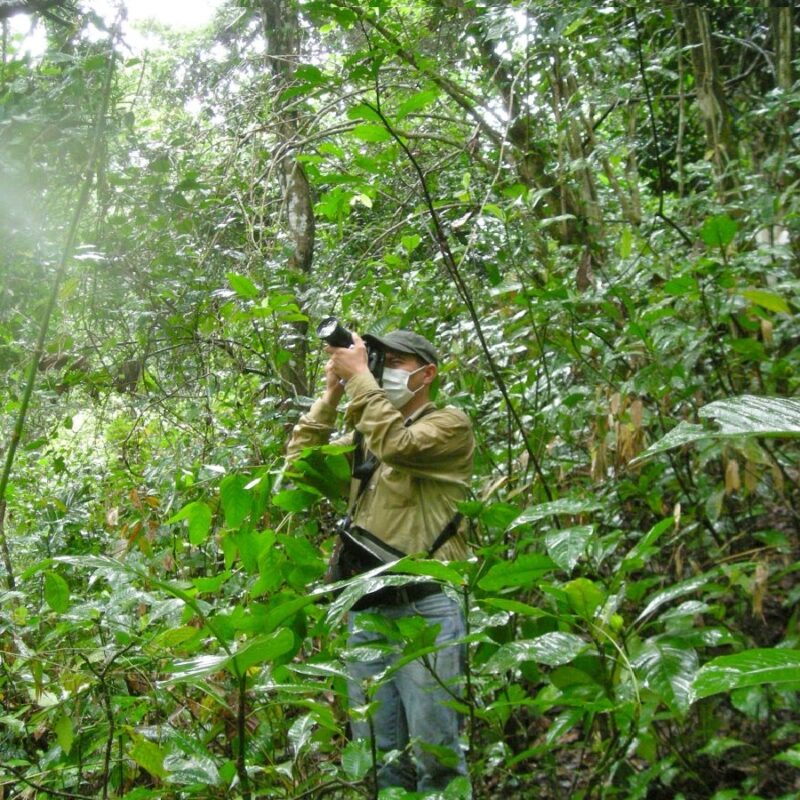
(284, 38)
(711, 99)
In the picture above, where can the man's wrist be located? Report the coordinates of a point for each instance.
(333, 396)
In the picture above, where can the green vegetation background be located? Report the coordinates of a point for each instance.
(592, 207)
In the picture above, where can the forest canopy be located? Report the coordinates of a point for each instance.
(591, 208)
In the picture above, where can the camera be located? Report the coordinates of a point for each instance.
(332, 332)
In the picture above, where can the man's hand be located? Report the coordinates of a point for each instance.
(349, 361)
(334, 388)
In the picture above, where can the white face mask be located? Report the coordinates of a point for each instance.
(395, 384)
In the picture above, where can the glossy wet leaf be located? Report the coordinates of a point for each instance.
(557, 507)
(667, 667)
(186, 770)
(300, 733)
(672, 592)
(735, 417)
(552, 649)
(357, 759)
(566, 546)
(750, 668)
(755, 416)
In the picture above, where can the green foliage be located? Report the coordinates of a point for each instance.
(633, 600)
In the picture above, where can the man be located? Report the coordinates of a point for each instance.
(408, 503)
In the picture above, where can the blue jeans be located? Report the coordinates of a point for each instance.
(411, 717)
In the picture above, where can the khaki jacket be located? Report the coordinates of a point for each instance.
(425, 466)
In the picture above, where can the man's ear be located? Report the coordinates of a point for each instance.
(430, 373)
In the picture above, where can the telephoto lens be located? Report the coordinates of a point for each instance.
(335, 334)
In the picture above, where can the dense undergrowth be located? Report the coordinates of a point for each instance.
(600, 261)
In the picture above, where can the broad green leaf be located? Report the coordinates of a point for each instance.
(750, 668)
(65, 733)
(174, 637)
(737, 417)
(354, 589)
(625, 246)
(718, 231)
(567, 719)
(357, 759)
(768, 300)
(320, 670)
(433, 569)
(565, 505)
(309, 73)
(667, 668)
(294, 499)
(211, 585)
(749, 415)
(251, 546)
(371, 133)
(552, 649)
(198, 515)
(683, 433)
(149, 756)
(365, 112)
(410, 242)
(514, 606)
(262, 649)
(56, 592)
(242, 285)
(676, 590)
(300, 733)
(236, 500)
(566, 546)
(197, 667)
(194, 769)
(416, 102)
(525, 570)
(640, 552)
(585, 597)
(684, 284)
(790, 756)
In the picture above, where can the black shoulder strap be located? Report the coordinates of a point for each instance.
(448, 532)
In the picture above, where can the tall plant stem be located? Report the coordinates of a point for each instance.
(66, 254)
(241, 730)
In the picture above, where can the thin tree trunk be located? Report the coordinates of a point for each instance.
(283, 35)
(711, 98)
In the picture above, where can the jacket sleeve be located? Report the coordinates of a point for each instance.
(430, 447)
(313, 428)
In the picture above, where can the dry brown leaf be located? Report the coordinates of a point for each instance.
(750, 475)
(760, 583)
(637, 413)
(732, 480)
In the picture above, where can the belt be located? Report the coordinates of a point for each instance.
(398, 595)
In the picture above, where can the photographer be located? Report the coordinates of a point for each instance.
(405, 503)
